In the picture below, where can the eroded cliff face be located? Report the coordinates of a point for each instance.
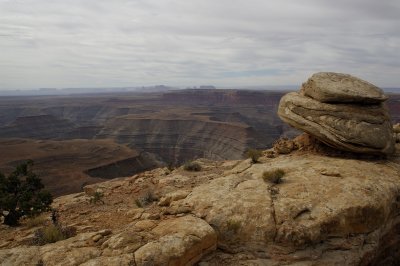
(177, 140)
(328, 210)
(172, 128)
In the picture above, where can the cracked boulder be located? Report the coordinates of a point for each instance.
(328, 87)
(182, 241)
(354, 127)
(239, 208)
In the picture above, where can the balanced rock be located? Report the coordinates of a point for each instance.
(329, 87)
(354, 127)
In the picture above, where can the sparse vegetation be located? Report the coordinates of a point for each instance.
(36, 221)
(53, 233)
(233, 225)
(254, 155)
(138, 203)
(273, 176)
(145, 199)
(97, 197)
(22, 194)
(192, 166)
(171, 167)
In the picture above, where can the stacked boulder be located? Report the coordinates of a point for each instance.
(342, 111)
(396, 129)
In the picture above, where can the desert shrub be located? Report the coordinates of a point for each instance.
(254, 155)
(171, 167)
(97, 197)
(22, 194)
(145, 199)
(273, 176)
(192, 166)
(233, 225)
(138, 203)
(36, 221)
(53, 233)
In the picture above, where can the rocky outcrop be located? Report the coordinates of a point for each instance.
(328, 87)
(396, 129)
(342, 117)
(326, 211)
(182, 241)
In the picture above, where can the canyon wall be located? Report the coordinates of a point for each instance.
(170, 128)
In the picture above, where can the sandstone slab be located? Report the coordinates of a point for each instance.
(239, 207)
(20, 256)
(120, 260)
(182, 241)
(361, 129)
(328, 87)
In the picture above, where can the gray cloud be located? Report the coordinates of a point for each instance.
(75, 43)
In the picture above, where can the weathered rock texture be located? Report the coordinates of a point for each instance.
(340, 116)
(326, 211)
(396, 129)
(328, 87)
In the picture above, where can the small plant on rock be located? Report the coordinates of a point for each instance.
(273, 176)
(52, 233)
(145, 199)
(233, 225)
(36, 221)
(192, 166)
(138, 203)
(254, 155)
(97, 198)
(171, 166)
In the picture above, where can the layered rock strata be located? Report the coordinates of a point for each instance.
(342, 111)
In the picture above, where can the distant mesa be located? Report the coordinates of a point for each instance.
(342, 111)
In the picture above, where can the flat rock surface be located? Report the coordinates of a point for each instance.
(336, 87)
(182, 241)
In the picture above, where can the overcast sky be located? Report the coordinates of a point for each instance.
(96, 43)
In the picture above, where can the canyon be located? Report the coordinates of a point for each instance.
(328, 209)
(129, 203)
(77, 140)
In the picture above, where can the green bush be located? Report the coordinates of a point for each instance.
(273, 176)
(21, 193)
(254, 155)
(53, 233)
(192, 166)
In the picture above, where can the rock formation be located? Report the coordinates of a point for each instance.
(326, 211)
(327, 87)
(342, 111)
(396, 129)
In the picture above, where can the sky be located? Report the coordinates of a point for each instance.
(226, 43)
